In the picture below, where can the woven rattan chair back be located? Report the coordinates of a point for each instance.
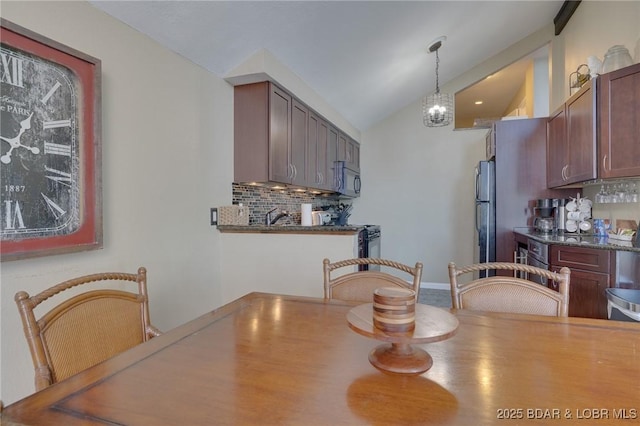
(87, 328)
(359, 285)
(510, 294)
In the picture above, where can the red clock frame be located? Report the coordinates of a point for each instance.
(88, 69)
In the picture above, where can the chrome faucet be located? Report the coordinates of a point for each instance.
(268, 220)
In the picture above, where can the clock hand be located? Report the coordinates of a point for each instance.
(15, 142)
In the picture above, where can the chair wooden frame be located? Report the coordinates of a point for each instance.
(359, 285)
(510, 294)
(87, 328)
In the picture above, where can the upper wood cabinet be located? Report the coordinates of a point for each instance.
(280, 139)
(321, 152)
(571, 139)
(349, 152)
(301, 173)
(619, 112)
(262, 133)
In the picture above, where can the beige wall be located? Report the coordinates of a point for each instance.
(418, 182)
(167, 158)
(167, 145)
(594, 27)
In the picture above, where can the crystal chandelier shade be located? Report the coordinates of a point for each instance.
(437, 109)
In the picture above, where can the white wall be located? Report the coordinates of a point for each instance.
(167, 148)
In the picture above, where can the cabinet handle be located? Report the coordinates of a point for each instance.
(295, 171)
(320, 177)
(604, 163)
(290, 171)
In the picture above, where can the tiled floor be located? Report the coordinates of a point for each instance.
(441, 298)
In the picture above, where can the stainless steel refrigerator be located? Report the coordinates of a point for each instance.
(485, 213)
(508, 185)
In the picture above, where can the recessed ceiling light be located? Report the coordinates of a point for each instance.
(478, 102)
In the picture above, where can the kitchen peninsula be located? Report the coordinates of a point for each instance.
(284, 259)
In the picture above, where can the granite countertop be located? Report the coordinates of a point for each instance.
(579, 240)
(292, 229)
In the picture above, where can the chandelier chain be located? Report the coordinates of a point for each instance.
(437, 67)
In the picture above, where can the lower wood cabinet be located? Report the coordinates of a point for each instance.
(591, 274)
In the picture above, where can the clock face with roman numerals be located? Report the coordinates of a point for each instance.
(39, 149)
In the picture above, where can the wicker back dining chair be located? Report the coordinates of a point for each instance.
(87, 328)
(359, 285)
(510, 294)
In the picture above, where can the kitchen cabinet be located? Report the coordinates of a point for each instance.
(277, 138)
(349, 152)
(571, 139)
(321, 151)
(271, 132)
(262, 132)
(590, 275)
(619, 115)
(300, 173)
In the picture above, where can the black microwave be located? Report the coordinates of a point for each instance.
(347, 182)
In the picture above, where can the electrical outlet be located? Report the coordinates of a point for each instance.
(214, 216)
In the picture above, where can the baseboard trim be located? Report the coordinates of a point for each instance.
(435, 286)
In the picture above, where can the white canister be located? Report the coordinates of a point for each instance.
(305, 210)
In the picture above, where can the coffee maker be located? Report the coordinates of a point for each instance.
(544, 221)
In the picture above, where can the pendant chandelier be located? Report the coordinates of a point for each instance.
(437, 109)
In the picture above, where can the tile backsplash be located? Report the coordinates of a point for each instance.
(261, 199)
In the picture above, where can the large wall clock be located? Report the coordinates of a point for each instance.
(49, 147)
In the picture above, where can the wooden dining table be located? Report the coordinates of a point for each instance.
(281, 360)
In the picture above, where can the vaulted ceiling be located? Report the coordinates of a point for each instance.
(367, 59)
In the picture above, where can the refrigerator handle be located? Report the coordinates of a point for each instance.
(477, 177)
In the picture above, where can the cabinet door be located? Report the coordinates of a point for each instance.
(353, 154)
(313, 151)
(320, 174)
(581, 135)
(619, 110)
(587, 297)
(590, 276)
(299, 146)
(325, 173)
(332, 154)
(342, 147)
(280, 169)
(557, 149)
